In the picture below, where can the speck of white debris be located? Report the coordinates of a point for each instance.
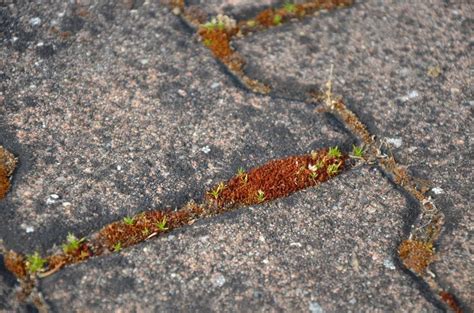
(144, 61)
(40, 44)
(206, 149)
(218, 280)
(67, 204)
(437, 190)
(396, 142)
(182, 93)
(35, 21)
(52, 198)
(119, 167)
(29, 229)
(352, 301)
(314, 307)
(14, 39)
(215, 85)
(265, 261)
(176, 11)
(389, 264)
(296, 244)
(413, 94)
(261, 238)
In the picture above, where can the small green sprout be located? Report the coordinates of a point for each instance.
(162, 224)
(127, 220)
(35, 263)
(333, 168)
(220, 25)
(241, 173)
(289, 7)
(209, 26)
(260, 195)
(357, 151)
(334, 152)
(72, 243)
(207, 42)
(215, 192)
(146, 231)
(251, 23)
(117, 247)
(277, 19)
(313, 175)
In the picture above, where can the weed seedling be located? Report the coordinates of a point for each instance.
(35, 263)
(215, 192)
(146, 231)
(313, 175)
(333, 168)
(334, 152)
(251, 23)
(128, 220)
(277, 19)
(162, 224)
(357, 151)
(72, 243)
(289, 7)
(260, 195)
(117, 247)
(241, 173)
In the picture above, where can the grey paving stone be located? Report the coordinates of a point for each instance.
(386, 55)
(330, 247)
(128, 114)
(234, 8)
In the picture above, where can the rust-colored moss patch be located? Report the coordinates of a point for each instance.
(416, 255)
(277, 178)
(15, 263)
(450, 301)
(218, 41)
(7, 166)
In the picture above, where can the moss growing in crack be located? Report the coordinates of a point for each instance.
(289, 7)
(333, 169)
(35, 263)
(118, 247)
(277, 19)
(260, 195)
(416, 255)
(357, 151)
(161, 225)
(72, 243)
(216, 191)
(334, 152)
(128, 220)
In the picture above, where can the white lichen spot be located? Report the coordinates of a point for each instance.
(52, 198)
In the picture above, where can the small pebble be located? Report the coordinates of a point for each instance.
(314, 307)
(35, 21)
(218, 280)
(182, 93)
(206, 149)
(389, 264)
(215, 85)
(437, 190)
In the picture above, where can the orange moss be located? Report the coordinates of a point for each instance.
(7, 166)
(218, 41)
(416, 255)
(450, 301)
(277, 178)
(15, 263)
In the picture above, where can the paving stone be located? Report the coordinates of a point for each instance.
(403, 68)
(132, 116)
(234, 8)
(331, 247)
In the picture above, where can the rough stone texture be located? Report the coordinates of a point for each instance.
(331, 247)
(385, 57)
(128, 114)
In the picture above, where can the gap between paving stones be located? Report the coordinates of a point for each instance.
(417, 252)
